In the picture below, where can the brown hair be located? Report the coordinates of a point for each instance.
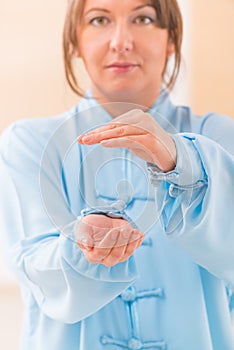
(168, 15)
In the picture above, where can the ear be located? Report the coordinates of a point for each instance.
(170, 48)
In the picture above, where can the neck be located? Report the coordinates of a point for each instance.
(117, 106)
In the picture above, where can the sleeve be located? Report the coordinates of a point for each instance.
(65, 285)
(195, 200)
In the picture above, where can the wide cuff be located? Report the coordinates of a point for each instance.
(189, 171)
(122, 272)
(114, 210)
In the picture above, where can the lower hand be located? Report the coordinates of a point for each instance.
(107, 241)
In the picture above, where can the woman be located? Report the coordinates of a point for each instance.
(147, 263)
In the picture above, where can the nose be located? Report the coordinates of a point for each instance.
(122, 40)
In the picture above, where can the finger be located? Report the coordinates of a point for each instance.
(124, 142)
(131, 247)
(135, 144)
(83, 235)
(127, 236)
(90, 231)
(93, 228)
(92, 135)
(84, 246)
(103, 249)
(118, 251)
(98, 130)
(136, 236)
(116, 131)
(134, 117)
(92, 256)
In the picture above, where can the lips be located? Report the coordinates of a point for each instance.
(121, 67)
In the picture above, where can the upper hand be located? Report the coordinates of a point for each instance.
(141, 134)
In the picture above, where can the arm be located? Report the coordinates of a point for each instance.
(197, 196)
(193, 178)
(50, 265)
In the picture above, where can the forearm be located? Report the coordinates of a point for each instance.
(65, 285)
(52, 267)
(196, 205)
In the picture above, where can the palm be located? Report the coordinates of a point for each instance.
(107, 240)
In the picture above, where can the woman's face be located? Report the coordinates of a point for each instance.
(123, 49)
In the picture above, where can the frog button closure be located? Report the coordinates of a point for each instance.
(134, 344)
(129, 295)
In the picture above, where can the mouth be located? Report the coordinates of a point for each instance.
(121, 67)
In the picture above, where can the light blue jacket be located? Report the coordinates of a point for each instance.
(172, 294)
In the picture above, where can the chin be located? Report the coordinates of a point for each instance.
(122, 95)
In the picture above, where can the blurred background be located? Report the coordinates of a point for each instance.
(32, 84)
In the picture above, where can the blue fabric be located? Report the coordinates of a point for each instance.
(175, 293)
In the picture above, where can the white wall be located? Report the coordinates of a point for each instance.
(181, 92)
(32, 79)
(212, 52)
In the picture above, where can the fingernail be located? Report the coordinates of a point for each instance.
(86, 138)
(80, 139)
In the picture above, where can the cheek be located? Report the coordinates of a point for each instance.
(90, 50)
(92, 40)
(91, 59)
(160, 54)
(87, 54)
(154, 46)
(156, 59)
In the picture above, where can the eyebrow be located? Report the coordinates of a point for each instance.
(142, 6)
(107, 11)
(96, 9)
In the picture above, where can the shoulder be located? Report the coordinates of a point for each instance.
(35, 133)
(214, 126)
(206, 124)
(180, 117)
(41, 127)
(213, 121)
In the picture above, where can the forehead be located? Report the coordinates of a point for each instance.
(113, 3)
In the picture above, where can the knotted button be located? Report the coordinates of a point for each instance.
(129, 294)
(174, 191)
(134, 344)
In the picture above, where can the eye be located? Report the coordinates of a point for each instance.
(144, 20)
(99, 21)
